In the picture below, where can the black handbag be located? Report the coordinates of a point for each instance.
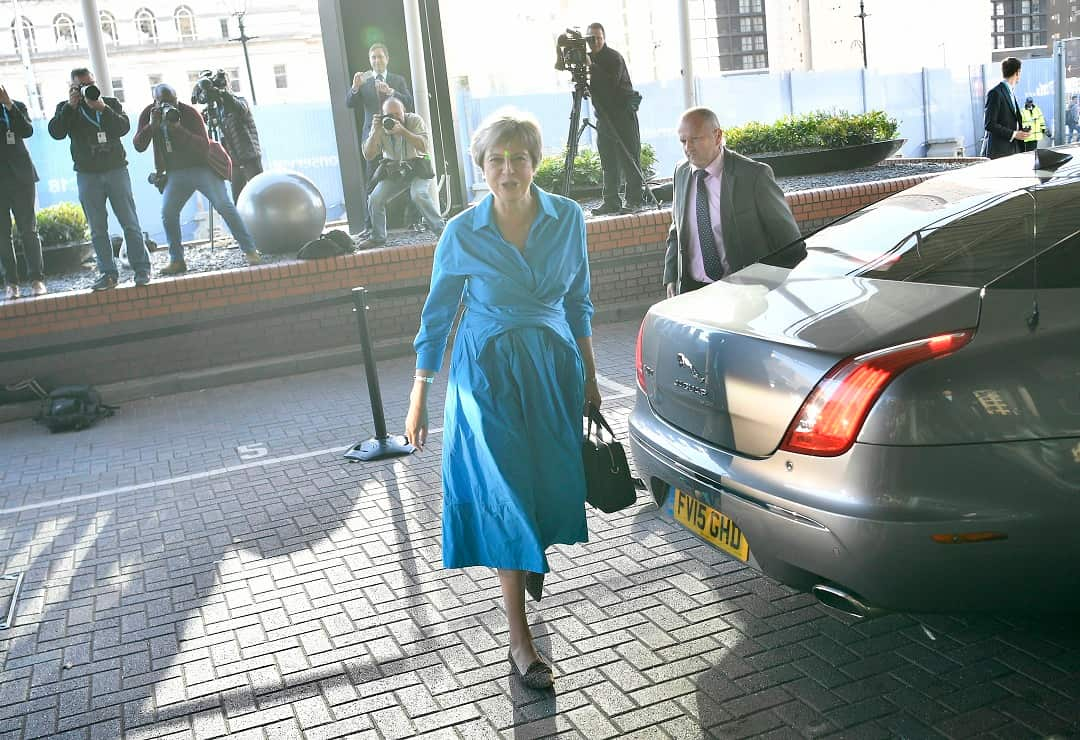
(608, 483)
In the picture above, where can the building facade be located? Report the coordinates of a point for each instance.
(150, 42)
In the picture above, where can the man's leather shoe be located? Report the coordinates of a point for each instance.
(607, 209)
(175, 267)
(371, 244)
(11, 292)
(38, 288)
(142, 278)
(105, 282)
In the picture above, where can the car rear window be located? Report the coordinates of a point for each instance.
(918, 237)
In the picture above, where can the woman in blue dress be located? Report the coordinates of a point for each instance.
(521, 372)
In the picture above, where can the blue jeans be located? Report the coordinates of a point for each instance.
(179, 187)
(114, 186)
(388, 189)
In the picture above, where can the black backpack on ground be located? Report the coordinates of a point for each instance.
(72, 407)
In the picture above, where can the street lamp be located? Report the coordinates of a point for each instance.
(239, 9)
(862, 16)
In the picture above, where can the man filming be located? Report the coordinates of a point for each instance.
(181, 151)
(401, 139)
(616, 105)
(95, 124)
(231, 116)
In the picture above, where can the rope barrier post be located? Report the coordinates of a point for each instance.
(382, 445)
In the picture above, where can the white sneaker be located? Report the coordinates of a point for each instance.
(38, 288)
(11, 292)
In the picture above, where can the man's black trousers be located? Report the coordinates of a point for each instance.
(613, 159)
(18, 198)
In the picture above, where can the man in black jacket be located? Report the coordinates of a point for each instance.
(616, 104)
(234, 121)
(1002, 116)
(95, 125)
(370, 89)
(17, 191)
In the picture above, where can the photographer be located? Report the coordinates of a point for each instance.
(17, 191)
(181, 151)
(231, 115)
(369, 91)
(401, 139)
(616, 104)
(95, 125)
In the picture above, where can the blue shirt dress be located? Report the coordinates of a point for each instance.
(512, 474)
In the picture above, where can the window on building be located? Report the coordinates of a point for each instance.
(234, 79)
(185, 23)
(108, 27)
(118, 88)
(154, 80)
(64, 29)
(224, 27)
(146, 25)
(281, 79)
(27, 35)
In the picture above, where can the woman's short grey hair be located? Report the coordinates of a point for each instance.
(504, 126)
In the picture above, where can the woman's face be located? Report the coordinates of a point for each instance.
(508, 170)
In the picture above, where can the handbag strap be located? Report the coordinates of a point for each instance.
(595, 417)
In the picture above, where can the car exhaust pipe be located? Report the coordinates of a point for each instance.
(843, 602)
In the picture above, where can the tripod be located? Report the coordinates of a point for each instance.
(581, 91)
(212, 115)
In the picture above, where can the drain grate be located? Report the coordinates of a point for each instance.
(11, 594)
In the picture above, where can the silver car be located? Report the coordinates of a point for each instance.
(888, 412)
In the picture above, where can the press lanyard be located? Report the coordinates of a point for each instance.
(165, 136)
(91, 120)
(7, 121)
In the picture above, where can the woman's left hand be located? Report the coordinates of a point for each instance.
(592, 395)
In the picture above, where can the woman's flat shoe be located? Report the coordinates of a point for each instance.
(534, 584)
(537, 676)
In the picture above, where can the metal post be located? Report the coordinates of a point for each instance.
(927, 123)
(382, 445)
(862, 16)
(1060, 132)
(243, 39)
(686, 54)
(95, 42)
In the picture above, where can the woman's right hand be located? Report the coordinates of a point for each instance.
(416, 421)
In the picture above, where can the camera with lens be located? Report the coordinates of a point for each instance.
(158, 180)
(90, 92)
(169, 113)
(208, 87)
(388, 123)
(572, 52)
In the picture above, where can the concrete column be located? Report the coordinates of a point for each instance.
(28, 67)
(95, 42)
(414, 36)
(686, 54)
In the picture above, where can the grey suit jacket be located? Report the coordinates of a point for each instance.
(756, 217)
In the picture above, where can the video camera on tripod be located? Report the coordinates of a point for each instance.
(572, 53)
(208, 87)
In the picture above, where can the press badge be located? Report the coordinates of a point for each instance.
(10, 138)
(102, 137)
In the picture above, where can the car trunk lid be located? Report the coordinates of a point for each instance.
(733, 362)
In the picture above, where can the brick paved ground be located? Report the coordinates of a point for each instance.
(261, 597)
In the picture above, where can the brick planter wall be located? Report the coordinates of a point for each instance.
(202, 322)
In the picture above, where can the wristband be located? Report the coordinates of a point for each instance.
(429, 379)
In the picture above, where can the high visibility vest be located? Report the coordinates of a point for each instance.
(1034, 120)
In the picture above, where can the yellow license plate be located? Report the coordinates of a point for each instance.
(710, 525)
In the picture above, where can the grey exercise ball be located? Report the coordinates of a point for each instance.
(282, 210)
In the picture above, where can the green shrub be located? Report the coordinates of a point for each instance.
(587, 170)
(818, 130)
(63, 223)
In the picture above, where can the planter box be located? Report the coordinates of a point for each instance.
(58, 258)
(829, 160)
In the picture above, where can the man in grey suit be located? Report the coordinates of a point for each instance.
(727, 211)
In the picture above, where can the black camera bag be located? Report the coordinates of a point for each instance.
(72, 407)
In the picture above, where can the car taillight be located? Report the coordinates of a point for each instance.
(638, 361)
(835, 410)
